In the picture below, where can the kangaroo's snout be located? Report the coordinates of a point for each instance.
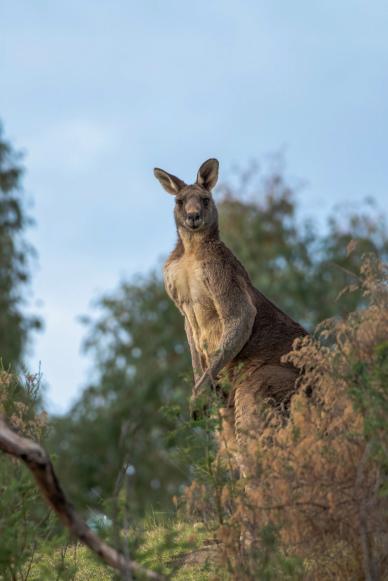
(193, 219)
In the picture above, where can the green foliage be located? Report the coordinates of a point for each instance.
(64, 561)
(141, 359)
(14, 259)
(178, 548)
(301, 267)
(173, 547)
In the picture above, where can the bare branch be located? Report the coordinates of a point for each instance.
(39, 463)
(365, 534)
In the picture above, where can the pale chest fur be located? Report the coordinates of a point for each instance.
(185, 282)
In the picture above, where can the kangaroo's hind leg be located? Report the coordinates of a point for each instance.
(261, 403)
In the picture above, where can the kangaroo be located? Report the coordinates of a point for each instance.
(231, 327)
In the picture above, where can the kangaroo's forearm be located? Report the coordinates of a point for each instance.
(236, 334)
(196, 364)
(195, 357)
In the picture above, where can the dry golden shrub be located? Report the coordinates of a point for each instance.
(18, 403)
(315, 503)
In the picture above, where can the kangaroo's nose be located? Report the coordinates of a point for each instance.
(193, 217)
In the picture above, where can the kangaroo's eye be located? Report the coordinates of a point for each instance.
(179, 202)
(206, 202)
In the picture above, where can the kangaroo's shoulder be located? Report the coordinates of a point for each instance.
(220, 258)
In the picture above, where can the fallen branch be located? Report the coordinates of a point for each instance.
(39, 463)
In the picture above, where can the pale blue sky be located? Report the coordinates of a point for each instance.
(98, 93)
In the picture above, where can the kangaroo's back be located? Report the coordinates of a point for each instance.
(273, 331)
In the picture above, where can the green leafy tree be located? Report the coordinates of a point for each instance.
(299, 266)
(23, 516)
(15, 253)
(141, 364)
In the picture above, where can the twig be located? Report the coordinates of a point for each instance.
(367, 554)
(39, 463)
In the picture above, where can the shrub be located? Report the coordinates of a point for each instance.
(314, 503)
(25, 521)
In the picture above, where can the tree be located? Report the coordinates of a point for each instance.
(15, 254)
(299, 266)
(140, 364)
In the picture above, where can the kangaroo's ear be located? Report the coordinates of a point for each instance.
(171, 183)
(208, 174)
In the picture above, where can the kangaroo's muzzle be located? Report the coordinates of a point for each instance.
(193, 220)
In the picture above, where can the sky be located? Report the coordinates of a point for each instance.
(97, 93)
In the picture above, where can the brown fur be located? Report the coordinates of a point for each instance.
(230, 326)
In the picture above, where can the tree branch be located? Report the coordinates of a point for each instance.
(39, 463)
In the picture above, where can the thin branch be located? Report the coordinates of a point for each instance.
(365, 540)
(39, 463)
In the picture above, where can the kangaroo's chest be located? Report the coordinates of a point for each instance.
(185, 282)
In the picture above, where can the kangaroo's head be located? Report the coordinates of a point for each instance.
(195, 210)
